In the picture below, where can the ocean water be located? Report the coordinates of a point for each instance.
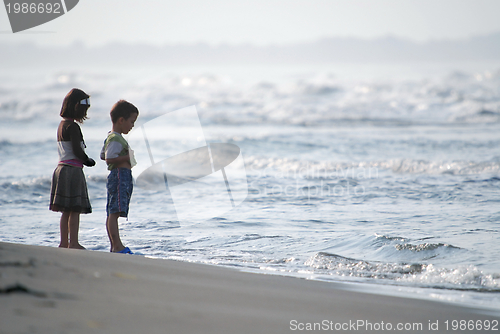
(373, 175)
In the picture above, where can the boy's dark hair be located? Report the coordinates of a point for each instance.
(123, 109)
(71, 106)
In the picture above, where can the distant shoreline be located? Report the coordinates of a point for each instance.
(382, 50)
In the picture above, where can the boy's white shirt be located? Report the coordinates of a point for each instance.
(114, 148)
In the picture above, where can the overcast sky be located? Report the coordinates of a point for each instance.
(260, 22)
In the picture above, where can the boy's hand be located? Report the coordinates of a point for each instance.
(131, 158)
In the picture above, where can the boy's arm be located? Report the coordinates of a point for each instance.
(111, 155)
(120, 162)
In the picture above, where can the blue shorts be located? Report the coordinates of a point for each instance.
(120, 186)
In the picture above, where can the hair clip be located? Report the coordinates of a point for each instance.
(85, 101)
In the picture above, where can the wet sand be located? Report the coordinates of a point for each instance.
(52, 290)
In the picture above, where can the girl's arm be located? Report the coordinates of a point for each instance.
(76, 137)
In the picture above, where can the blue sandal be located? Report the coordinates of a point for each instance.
(126, 250)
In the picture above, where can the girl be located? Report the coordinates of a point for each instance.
(69, 188)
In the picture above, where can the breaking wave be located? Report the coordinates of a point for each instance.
(334, 170)
(314, 100)
(420, 274)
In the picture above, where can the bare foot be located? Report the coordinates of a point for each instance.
(77, 246)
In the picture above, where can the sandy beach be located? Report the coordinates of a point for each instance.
(51, 290)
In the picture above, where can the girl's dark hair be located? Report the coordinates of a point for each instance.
(71, 106)
(123, 109)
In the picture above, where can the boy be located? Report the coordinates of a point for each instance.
(120, 160)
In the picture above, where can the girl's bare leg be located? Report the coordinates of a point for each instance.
(63, 225)
(74, 225)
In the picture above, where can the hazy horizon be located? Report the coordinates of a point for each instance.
(323, 51)
(387, 37)
(260, 22)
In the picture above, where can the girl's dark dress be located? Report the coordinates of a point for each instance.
(69, 188)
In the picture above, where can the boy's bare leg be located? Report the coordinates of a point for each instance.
(74, 225)
(63, 226)
(113, 233)
(109, 233)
